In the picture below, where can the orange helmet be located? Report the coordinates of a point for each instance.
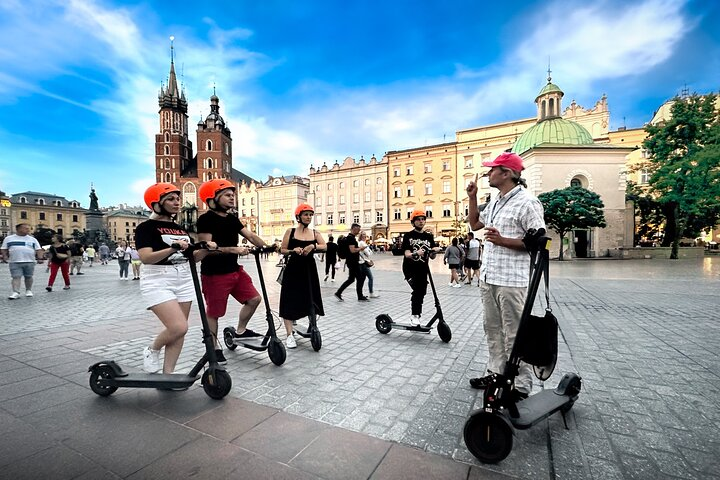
(303, 207)
(209, 190)
(417, 213)
(155, 193)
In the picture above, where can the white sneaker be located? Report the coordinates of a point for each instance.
(415, 320)
(450, 284)
(14, 295)
(457, 285)
(28, 293)
(374, 295)
(290, 342)
(151, 360)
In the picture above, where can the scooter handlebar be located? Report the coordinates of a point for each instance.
(265, 249)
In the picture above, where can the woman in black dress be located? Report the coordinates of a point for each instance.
(300, 285)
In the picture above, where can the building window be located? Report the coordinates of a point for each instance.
(167, 137)
(428, 189)
(367, 196)
(575, 182)
(341, 200)
(367, 218)
(318, 201)
(59, 231)
(408, 212)
(42, 216)
(396, 172)
(408, 169)
(356, 217)
(356, 198)
(410, 190)
(330, 200)
(428, 211)
(342, 185)
(356, 183)
(378, 217)
(341, 218)
(396, 192)
(59, 217)
(166, 150)
(208, 146)
(330, 186)
(428, 168)
(379, 195)
(75, 219)
(468, 161)
(644, 176)
(378, 181)
(397, 214)
(317, 188)
(252, 200)
(41, 201)
(167, 163)
(446, 211)
(446, 186)
(330, 219)
(446, 165)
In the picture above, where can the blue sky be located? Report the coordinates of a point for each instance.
(307, 82)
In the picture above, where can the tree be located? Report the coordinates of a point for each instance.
(684, 161)
(648, 211)
(43, 234)
(572, 208)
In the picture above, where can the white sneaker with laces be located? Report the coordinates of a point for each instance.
(151, 360)
(14, 295)
(415, 320)
(457, 285)
(290, 342)
(28, 293)
(374, 295)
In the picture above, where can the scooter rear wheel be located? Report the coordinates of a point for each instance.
(316, 340)
(383, 323)
(218, 385)
(488, 436)
(276, 352)
(444, 331)
(97, 374)
(229, 338)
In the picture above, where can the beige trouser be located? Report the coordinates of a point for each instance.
(503, 308)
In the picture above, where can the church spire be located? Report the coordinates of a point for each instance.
(170, 95)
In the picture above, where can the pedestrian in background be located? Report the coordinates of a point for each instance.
(330, 259)
(134, 261)
(59, 260)
(123, 257)
(104, 252)
(453, 259)
(76, 256)
(505, 269)
(23, 251)
(472, 259)
(366, 263)
(352, 263)
(90, 252)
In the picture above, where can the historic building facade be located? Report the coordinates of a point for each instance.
(278, 197)
(174, 159)
(120, 222)
(351, 192)
(6, 226)
(45, 210)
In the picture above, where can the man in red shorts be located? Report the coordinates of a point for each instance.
(221, 274)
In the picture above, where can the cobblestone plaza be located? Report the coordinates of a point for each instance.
(643, 335)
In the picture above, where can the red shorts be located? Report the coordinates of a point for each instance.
(217, 288)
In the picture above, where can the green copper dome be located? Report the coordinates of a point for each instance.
(550, 87)
(553, 130)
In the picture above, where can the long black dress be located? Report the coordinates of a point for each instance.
(300, 283)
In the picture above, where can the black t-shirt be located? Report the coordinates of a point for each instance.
(159, 235)
(55, 250)
(224, 231)
(331, 254)
(352, 258)
(76, 249)
(414, 241)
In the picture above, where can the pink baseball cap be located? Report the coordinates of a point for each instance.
(513, 161)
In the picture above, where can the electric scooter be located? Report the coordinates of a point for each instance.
(310, 331)
(384, 323)
(107, 376)
(488, 431)
(270, 341)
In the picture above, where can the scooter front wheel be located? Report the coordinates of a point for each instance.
(96, 375)
(488, 436)
(444, 331)
(217, 384)
(383, 323)
(229, 337)
(276, 352)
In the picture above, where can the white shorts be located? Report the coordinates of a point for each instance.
(162, 283)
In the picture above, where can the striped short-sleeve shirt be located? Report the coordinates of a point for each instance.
(513, 214)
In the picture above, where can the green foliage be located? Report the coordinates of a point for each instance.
(43, 235)
(572, 208)
(684, 161)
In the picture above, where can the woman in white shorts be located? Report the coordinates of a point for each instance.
(166, 284)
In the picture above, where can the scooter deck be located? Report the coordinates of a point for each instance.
(414, 328)
(149, 380)
(537, 407)
(302, 330)
(253, 343)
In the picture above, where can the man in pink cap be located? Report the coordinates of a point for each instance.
(505, 267)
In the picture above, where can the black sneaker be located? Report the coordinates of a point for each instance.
(49, 289)
(247, 334)
(220, 357)
(363, 299)
(481, 383)
(339, 297)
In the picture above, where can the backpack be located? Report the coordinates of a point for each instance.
(343, 248)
